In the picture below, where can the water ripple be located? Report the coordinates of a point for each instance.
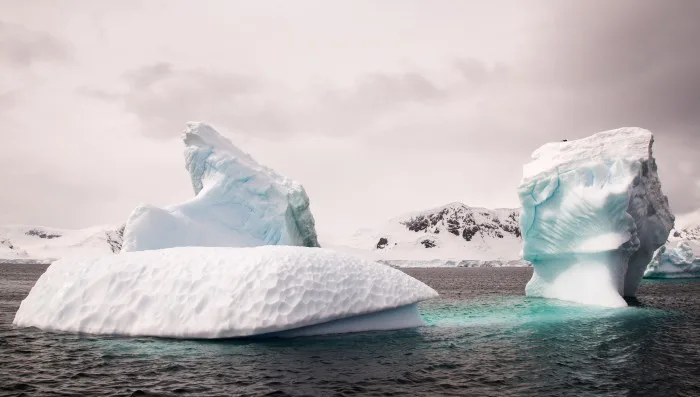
(483, 338)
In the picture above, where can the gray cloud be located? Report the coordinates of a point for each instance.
(98, 93)
(145, 76)
(21, 47)
(8, 100)
(164, 97)
(385, 91)
(624, 62)
(495, 108)
(628, 62)
(414, 105)
(21, 50)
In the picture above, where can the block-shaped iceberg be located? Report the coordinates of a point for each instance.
(219, 292)
(237, 203)
(593, 214)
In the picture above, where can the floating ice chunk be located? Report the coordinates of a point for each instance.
(680, 259)
(593, 215)
(217, 292)
(680, 256)
(238, 203)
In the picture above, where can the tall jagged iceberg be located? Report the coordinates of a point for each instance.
(238, 203)
(593, 214)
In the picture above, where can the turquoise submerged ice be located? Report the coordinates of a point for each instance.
(238, 203)
(593, 214)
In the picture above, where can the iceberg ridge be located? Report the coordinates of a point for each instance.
(238, 203)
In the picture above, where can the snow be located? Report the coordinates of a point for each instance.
(41, 244)
(492, 234)
(237, 203)
(219, 292)
(593, 215)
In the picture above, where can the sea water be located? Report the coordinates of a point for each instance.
(482, 338)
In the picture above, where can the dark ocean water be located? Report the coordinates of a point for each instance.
(483, 339)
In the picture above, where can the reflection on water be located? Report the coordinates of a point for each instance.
(482, 338)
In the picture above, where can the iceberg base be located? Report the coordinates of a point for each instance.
(386, 320)
(594, 279)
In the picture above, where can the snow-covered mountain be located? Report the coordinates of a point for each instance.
(40, 244)
(454, 234)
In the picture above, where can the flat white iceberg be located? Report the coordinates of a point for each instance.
(593, 214)
(237, 203)
(217, 292)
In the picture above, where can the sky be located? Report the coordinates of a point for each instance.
(376, 107)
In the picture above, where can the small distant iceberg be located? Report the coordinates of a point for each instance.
(217, 292)
(240, 259)
(680, 256)
(679, 259)
(593, 215)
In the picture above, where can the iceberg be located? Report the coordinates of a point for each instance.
(680, 256)
(679, 260)
(593, 214)
(221, 292)
(237, 203)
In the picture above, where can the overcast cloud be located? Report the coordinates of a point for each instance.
(376, 107)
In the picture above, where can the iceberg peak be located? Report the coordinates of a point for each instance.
(238, 203)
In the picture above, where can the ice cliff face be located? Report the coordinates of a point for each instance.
(593, 214)
(237, 203)
(680, 256)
